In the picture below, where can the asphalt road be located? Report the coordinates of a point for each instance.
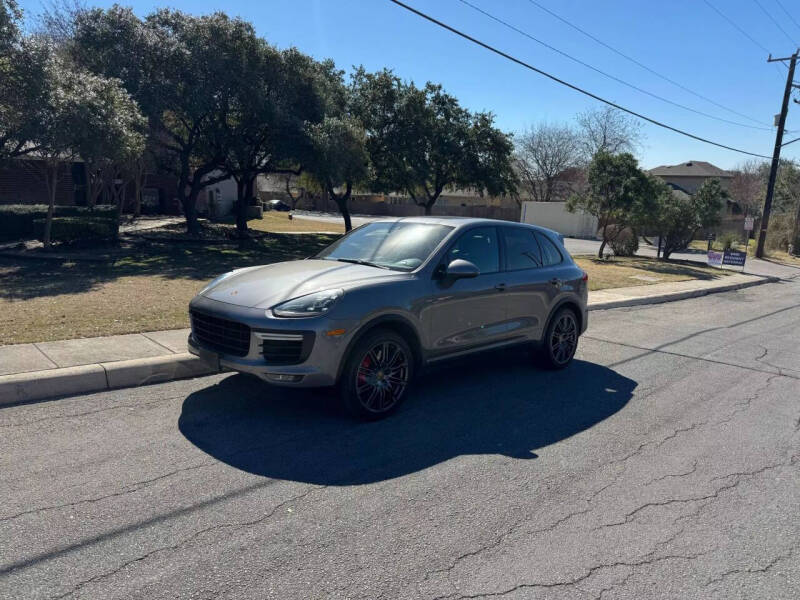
(664, 463)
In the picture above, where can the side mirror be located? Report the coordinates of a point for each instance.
(461, 269)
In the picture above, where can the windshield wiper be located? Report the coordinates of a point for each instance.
(358, 261)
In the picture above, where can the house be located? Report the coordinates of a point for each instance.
(21, 183)
(689, 176)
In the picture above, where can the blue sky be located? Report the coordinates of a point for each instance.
(682, 39)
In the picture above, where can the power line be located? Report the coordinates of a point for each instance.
(771, 18)
(788, 14)
(740, 30)
(640, 64)
(735, 26)
(566, 83)
(605, 74)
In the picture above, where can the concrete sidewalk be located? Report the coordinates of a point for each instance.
(51, 369)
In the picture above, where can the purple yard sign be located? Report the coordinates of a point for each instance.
(715, 258)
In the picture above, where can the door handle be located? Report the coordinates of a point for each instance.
(500, 287)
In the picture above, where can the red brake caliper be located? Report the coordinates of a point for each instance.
(365, 364)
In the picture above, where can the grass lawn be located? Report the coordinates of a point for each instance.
(279, 222)
(145, 291)
(624, 272)
(150, 289)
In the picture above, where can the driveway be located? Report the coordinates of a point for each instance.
(664, 463)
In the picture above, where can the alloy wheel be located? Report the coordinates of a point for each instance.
(381, 377)
(564, 338)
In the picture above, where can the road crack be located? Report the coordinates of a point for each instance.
(183, 542)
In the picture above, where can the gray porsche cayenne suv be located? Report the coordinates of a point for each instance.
(380, 303)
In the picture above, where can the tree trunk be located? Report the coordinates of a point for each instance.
(89, 195)
(244, 188)
(428, 207)
(51, 180)
(189, 203)
(345, 210)
(605, 240)
(138, 183)
(341, 202)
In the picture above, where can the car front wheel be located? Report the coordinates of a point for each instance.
(376, 377)
(560, 340)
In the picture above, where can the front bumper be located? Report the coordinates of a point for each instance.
(319, 366)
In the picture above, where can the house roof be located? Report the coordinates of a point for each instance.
(692, 168)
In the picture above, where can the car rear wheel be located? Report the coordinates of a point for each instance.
(376, 377)
(560, 340)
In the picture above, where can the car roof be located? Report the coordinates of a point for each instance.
(462, 222)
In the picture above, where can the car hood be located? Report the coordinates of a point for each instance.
(268, 285)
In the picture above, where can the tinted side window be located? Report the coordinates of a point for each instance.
(478, 246)
(522, 251)
(550, 254)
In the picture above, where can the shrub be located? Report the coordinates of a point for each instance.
(71, 229)
(779, 232)
(624, 241)
(17, 220)
(728, 240)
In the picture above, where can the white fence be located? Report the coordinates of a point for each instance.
(555, 216)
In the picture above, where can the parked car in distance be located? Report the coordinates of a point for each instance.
(277, 204)
(380, 303)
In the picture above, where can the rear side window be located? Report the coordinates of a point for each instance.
(522, 251)
(550, 254)
(479, 246)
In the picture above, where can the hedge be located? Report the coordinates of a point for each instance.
(71, 229)
(17, 220)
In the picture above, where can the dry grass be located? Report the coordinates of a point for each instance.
(625, 272)
(146, 291)
(279, 222)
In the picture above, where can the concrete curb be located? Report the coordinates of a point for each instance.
(70, 381)
(684, 295)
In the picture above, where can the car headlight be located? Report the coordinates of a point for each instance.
(310, 305)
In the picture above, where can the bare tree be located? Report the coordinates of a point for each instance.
(747, 186)
(609, 130)
(293, 183)
(56, 22)
(544, 158)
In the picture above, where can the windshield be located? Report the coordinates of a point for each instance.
(392, 245)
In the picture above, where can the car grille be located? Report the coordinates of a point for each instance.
(228, 337)
(280, 348)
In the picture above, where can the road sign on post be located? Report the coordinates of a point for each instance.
(748, 223)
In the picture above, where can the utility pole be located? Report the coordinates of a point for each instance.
(776, 155)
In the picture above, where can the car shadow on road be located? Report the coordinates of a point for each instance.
(490, 405)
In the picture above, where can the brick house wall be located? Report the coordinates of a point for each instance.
(21, 183)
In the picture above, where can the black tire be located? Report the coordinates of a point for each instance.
(560, 340)
(376, 376)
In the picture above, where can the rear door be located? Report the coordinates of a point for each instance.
(529, 291)
(468, 313)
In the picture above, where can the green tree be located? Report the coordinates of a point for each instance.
(23, 82)
(678, 216)
(339, 159)
(179, 68)
(81, 114)
(619, 194)
(263, 128)
(422, 141)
